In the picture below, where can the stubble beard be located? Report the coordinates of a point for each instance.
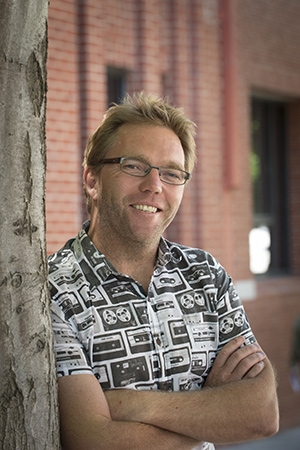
(125, 237)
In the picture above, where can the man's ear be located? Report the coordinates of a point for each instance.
(91, 183)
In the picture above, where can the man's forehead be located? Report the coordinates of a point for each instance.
(155, 144)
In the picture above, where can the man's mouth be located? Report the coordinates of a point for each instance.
(146, 208)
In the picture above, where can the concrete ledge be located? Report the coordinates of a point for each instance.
(247, 289)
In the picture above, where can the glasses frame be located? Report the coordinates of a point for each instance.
(121, 159)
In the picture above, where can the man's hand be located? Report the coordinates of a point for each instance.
(235, 362)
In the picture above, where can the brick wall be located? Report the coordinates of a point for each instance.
(63, 189)
(210, 57)
(269, 66)
(272, 316)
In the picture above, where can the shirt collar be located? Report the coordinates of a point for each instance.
(168, 252)
(94, 264)
(97, 268)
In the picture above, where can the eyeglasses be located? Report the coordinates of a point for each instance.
(137, 168)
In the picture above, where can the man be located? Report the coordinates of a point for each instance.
(149, 335)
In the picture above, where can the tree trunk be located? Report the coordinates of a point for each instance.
(28, 394)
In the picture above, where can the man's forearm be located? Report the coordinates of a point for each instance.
(234, 412)
(117, 435)
(86, 423)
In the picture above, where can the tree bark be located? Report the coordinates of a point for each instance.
(28, 393)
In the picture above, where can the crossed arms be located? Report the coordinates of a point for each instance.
(238, 403)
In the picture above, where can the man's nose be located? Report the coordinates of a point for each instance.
(152, 182)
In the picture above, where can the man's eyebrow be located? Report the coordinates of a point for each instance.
(170, 164)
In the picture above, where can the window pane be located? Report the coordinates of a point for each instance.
(269, 252)
(116, 85)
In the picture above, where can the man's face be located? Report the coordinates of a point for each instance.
(133, 208)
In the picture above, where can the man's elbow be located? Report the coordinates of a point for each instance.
(268, 409)
(268, 420)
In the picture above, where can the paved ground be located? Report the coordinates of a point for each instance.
(285, 440)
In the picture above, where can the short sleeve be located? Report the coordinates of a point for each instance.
(233, 320)
(71, 356)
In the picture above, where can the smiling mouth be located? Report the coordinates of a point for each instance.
(146, 208)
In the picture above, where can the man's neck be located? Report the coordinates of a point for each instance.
(139, 269)
(135, 259)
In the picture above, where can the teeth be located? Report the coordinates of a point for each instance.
(145, 208)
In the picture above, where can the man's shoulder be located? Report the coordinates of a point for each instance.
(71, 249)
(63, 257)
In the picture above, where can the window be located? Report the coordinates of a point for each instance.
(116, 85)
(269, 246)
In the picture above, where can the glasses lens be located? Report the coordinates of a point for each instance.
(173, 176)
(137, 168)
(134, 167)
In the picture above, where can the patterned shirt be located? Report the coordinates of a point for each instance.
(167, 338)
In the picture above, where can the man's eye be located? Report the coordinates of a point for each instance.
(133, 166)
(172, 175)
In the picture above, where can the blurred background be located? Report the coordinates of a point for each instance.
(234, 67)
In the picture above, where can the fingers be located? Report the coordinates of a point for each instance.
(236, 361)
(244, 358)
(245, 362)
(228, 350)
(235, 352)
(255, 370)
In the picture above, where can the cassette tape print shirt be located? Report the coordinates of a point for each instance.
(167, 338)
